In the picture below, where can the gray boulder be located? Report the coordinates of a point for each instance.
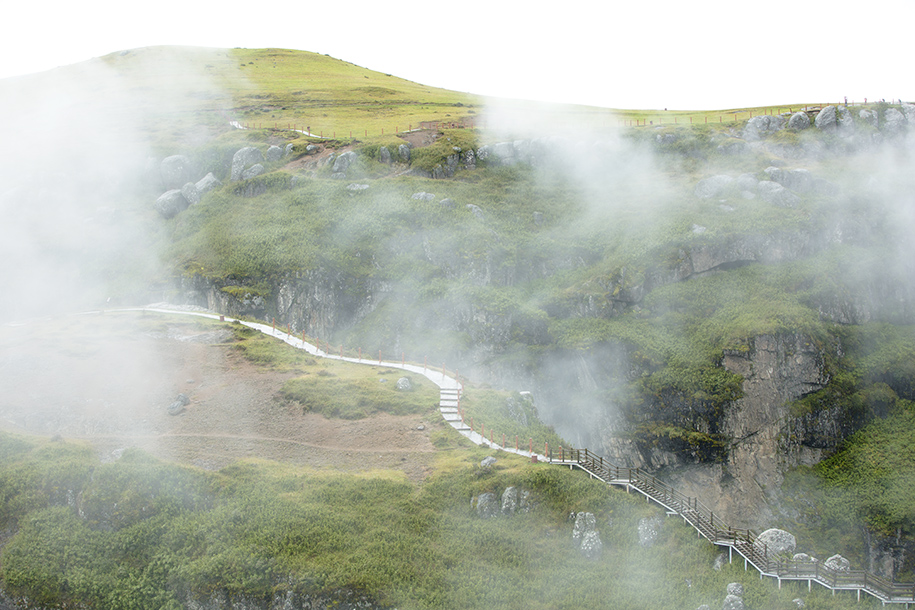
(798, 121)
(190, 192)
(591, 545)
(356, 187)
(255, 170)
(207, 183)
(178, 405)
(735, 588)
(485, 505)
(846, 123)
(274, 153)
(776, 542)
(404, 384)
(423, 196)
(171, 203)
(344, 162)
(776, 194)
(746, 184)
(515, 500)
(175, 171)
(893, 122)
(713, 186)
(798, 180)
(732, 602)
(868, 116)
(312, 149)
(584, 522)
(798, 602)
(243, 159)
(438, 172)
(720, 562)
(760, 126)
(384, 155)
(469, 159)
(475, 210)
(288, 150)
(404, 151)
(487, 461)
(826, 119)
(649, 530)
(908, 111)
(447, 203)
(585, 536)
(838, 563)
(803, 558)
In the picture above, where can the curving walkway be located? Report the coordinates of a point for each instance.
(742, 542)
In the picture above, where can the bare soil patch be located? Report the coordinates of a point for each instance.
(109, 379)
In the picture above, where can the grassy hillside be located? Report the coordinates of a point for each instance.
(138, 532)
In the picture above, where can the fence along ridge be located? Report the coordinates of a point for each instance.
(690, 509)
(744, 541)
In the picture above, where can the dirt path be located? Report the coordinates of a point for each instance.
(109, 380)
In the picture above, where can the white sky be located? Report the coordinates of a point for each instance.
(706, 54)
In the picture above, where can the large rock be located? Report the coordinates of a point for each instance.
(713, 186)
(776, 194)
(846, 123)
(404, 151)
(190, 192)
(423, 196)
(838, 563)
(735, 588)
(404, 384)
(893, 122)
(243, 159)
(826, 119)
(343, 162)
(776, 542)
(485, 505)
(515, 500)
(798, 180)
(760, 126)
(274, 153)
(868, 116)
(732, 602)
(591, 545)
(255, 170)
(384, 155)
(171, 203)
(799, 121)
(585, 535)
(207, 183)
(475, 210)
(175, 171)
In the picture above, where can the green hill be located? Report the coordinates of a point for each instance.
(727, 303)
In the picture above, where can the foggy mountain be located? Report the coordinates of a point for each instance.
(723, 303)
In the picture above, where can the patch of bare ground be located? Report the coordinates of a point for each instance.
(113, 390)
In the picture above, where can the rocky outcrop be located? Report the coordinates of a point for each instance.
(485, 505)
(775, 542)
(243, 159)
(585, 536)
(175, 171)
(516, 501)
(171, 203)
(341, 599)
(798, 121)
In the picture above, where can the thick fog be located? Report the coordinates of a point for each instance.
(78, 175)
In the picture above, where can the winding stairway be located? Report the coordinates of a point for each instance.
(742, 542)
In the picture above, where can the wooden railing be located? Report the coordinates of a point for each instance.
(744, 541)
